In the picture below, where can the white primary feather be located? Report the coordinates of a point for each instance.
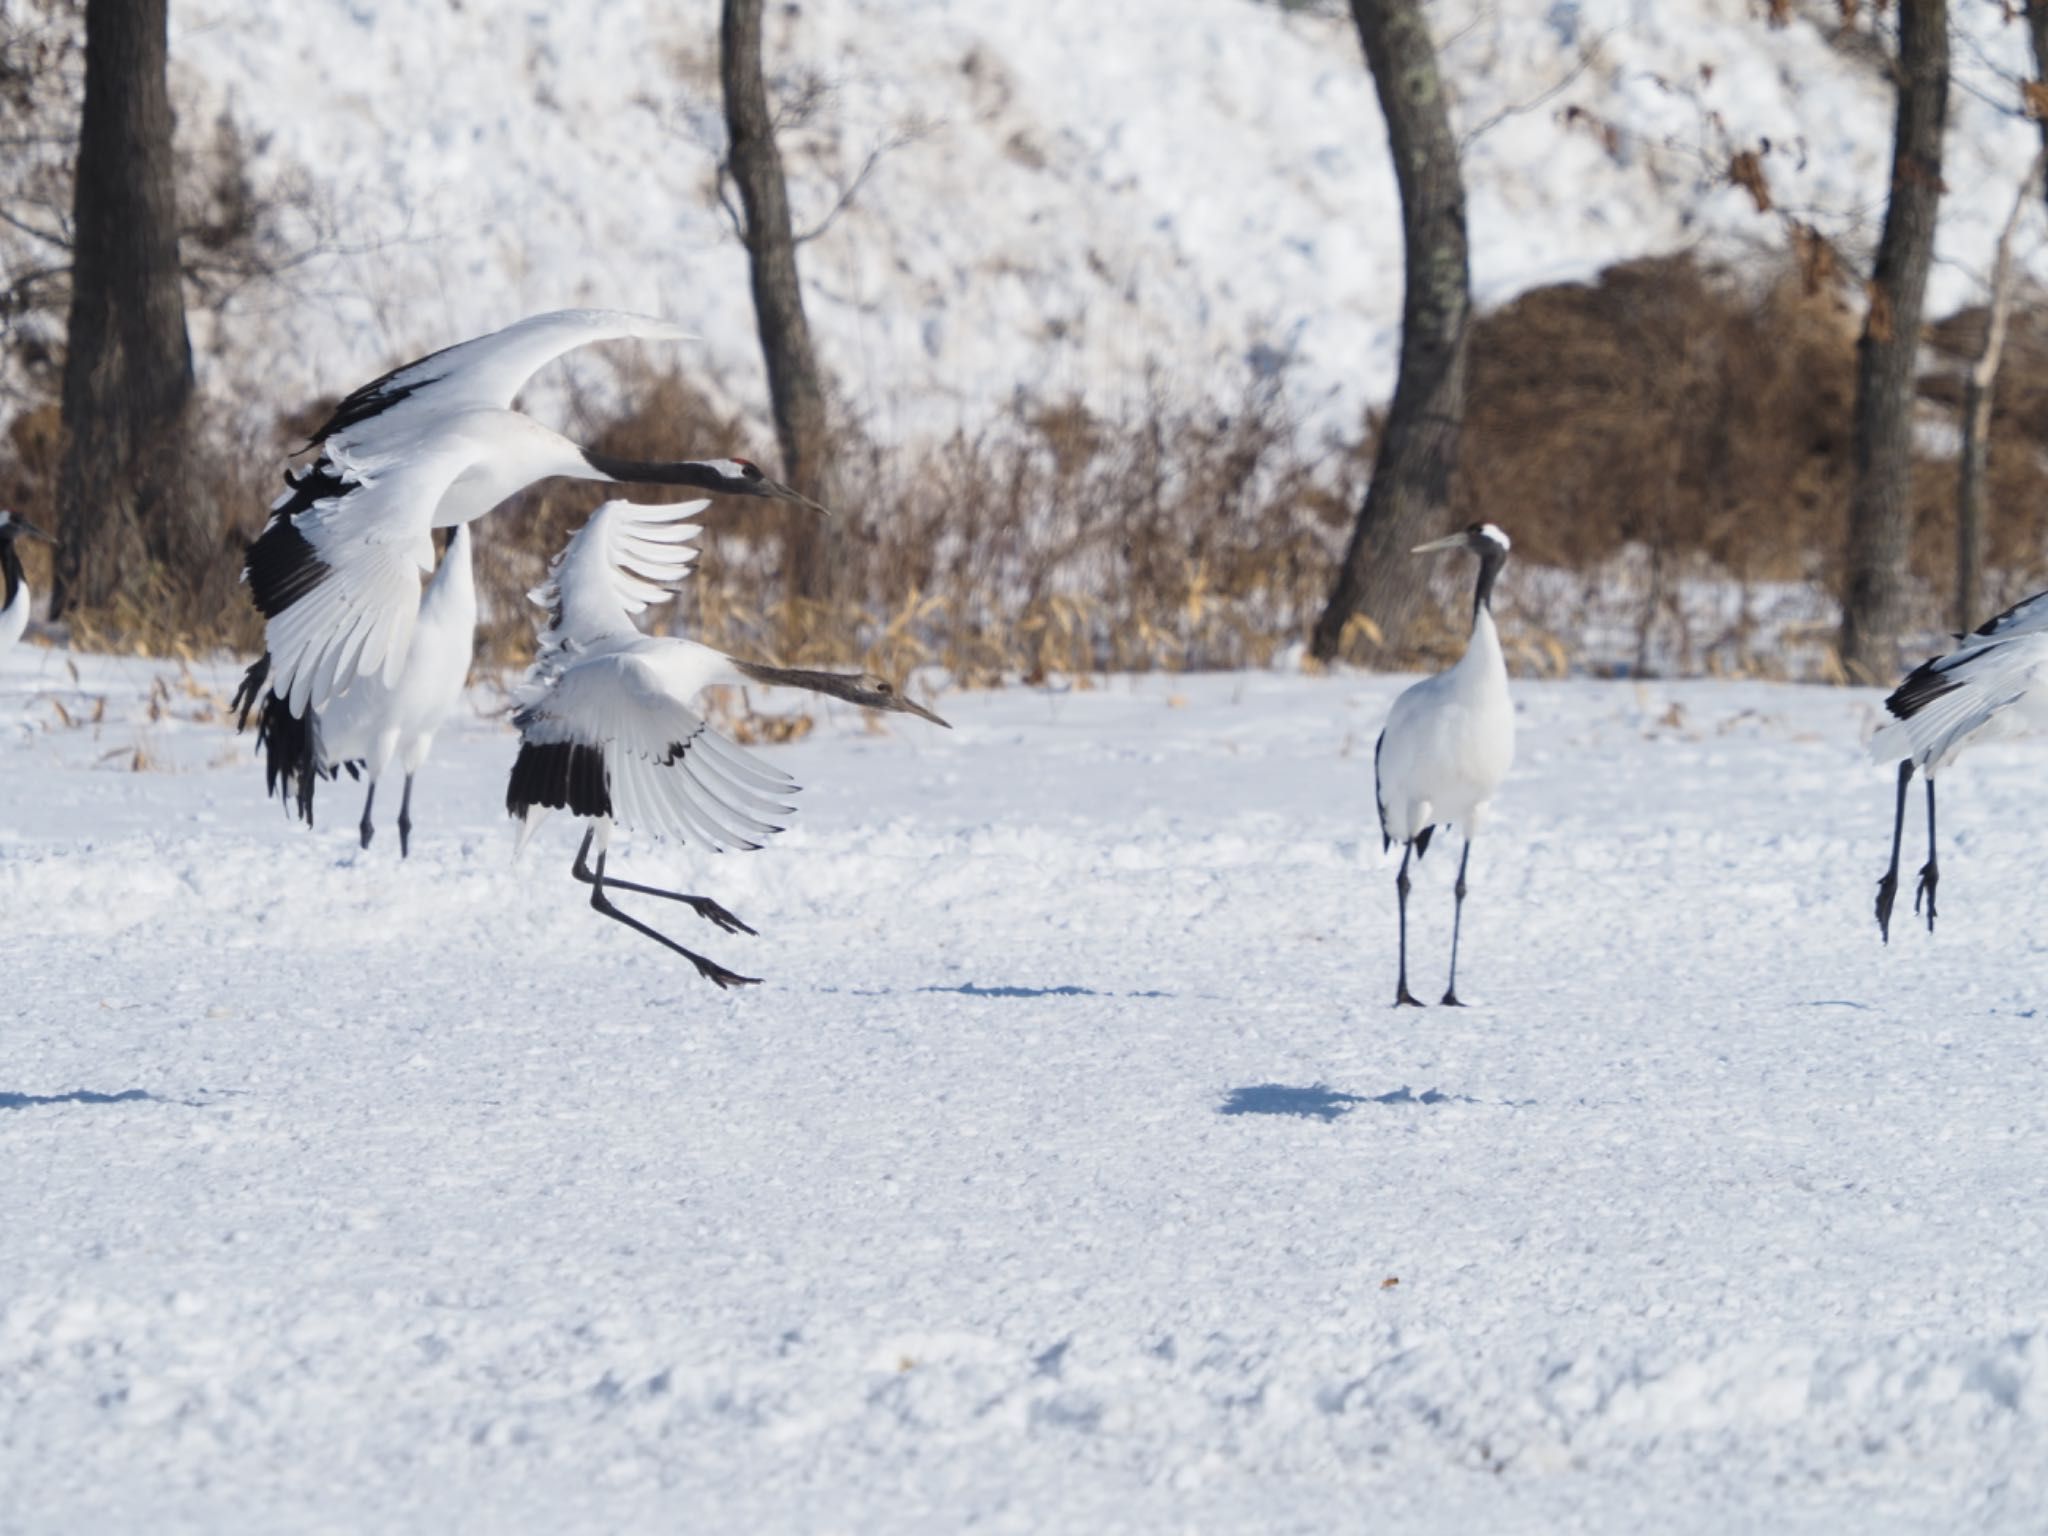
(488, 371)
(624, 560)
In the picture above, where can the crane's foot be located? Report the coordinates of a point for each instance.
(1887, 892)
(1451, 999)
(720, 977)
(712, 912)
(404, 838)
(1930, 877)
(1406, 999)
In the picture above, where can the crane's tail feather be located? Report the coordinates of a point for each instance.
(1935, 711)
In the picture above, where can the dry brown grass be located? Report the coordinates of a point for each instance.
(167, 611)
(1062, 542)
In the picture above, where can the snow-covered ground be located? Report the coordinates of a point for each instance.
(1088, 198)
(1069, 1172)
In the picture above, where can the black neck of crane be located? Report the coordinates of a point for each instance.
(838, 684)
(1491, 558)
(10, 568)
(701, 477)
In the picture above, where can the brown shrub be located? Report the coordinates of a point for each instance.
(1664, 407)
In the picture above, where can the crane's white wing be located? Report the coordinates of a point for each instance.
(2027, 617)
(624, 559)
(607, 739)
(486, 372)
(1986, 682)
(336, 571)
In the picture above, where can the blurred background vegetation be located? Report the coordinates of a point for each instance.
(1673, 447)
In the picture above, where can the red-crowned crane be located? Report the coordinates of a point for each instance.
(609, 729)
(14, 593)
(375, 723)
(1989, 685)
(434, 444)
(1448, 743)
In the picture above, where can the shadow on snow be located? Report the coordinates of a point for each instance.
(976, 989)
(1320, 1102)
(76, 1096)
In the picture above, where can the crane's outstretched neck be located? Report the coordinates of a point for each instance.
(1491, 558)
(722, 477)
(862, 688)
(838, 684)
(701, 476)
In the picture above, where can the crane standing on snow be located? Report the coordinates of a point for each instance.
(608, 731)
(1989, 685)
(375, 723)
(1448, 743)
(14, 593)
(434, 444)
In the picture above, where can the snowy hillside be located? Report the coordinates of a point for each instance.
(1069, 1172)
(1080, 193)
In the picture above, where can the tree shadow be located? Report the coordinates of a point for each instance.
(1321, 1102)
(76, 1096)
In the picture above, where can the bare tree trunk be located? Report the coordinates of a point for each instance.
(1973, 461)
(128, 363)
(1887, 354)
(794, 389)
(2037, 98)
(1419, 446)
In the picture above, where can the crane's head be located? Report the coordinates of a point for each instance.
(743, 477)
(865, 688)
(1481, 539)
(12, 523)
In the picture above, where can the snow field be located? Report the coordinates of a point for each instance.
(1055, 1176)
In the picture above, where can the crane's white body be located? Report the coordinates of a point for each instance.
(434, 444)
(1449, 742)
(1991, 685)
(378, 723)
(601, 686)
(14, 617)
(15, 597)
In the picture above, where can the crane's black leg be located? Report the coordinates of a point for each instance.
(1930, 872)
(710, 970)
(703, 906)
(369, 800)
(1403, 998)
(1457, 921)
(405, 820)
(1888, 887)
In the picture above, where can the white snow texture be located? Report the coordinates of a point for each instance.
(1190, 192)
(1060, 1174)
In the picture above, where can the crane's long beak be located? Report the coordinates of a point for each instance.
(919, 710)
(1435, 546)
(21, 526)
(775, 490)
